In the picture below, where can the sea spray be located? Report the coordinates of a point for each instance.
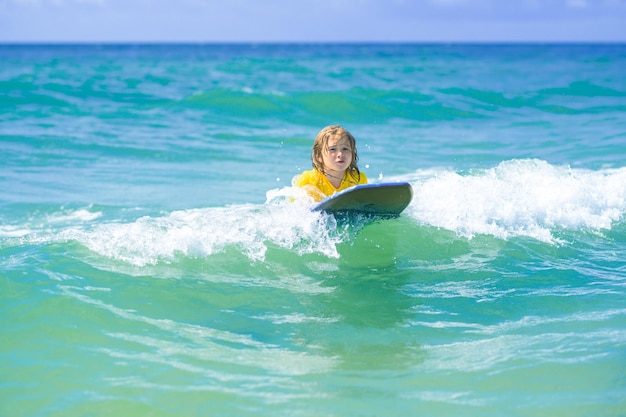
(521, 198)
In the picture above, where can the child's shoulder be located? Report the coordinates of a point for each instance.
(305, 177)
(312, 173)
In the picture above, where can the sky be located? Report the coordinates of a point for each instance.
(139, 21)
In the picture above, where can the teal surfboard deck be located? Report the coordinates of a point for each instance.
(383, 199)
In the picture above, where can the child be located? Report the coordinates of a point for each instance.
(334, 158)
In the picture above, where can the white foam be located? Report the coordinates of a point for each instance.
(72, 216)
(251, 229)
(529, 198)
(38, 223)
(519, 198)
(503, 344)
(11, 231)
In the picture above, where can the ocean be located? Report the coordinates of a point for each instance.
(155, 260)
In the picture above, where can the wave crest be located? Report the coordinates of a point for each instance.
(526, 197)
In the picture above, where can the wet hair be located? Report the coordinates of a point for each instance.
(321, 144)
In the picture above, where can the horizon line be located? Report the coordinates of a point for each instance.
(343, 42)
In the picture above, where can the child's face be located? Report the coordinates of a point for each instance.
(338, 154)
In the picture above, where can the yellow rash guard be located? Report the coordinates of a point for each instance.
(318, 186)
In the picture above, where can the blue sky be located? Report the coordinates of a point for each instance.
(312, 20)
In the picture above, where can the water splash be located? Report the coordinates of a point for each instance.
(520, 198)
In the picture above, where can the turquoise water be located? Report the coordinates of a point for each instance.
(153, 263)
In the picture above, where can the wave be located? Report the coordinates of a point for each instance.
(358, 103)
(199, 233)
(526, 197)
(351, 105)
(354, 104)
(518, 198)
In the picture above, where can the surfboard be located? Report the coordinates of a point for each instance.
(382, 199)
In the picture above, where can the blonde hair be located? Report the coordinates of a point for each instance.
(321, 144)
